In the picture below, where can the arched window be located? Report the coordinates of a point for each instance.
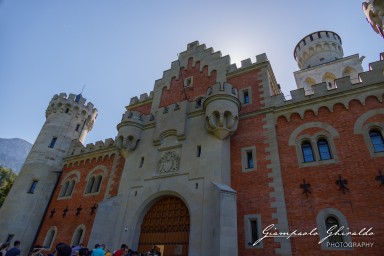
(67, 188)
(70, 188)
(306, 148)
(49, 237)
(377, 140)
(90, 185)
(96, 185)
(64, 189)
(324, 152)
(78, 236)
(93, 185)
(329, 79)
(332, 224)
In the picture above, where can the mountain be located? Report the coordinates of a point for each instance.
(13, 153)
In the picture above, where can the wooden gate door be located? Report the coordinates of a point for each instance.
(166, 225)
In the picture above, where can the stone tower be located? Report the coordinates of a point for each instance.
(68, 121)
(319, 56)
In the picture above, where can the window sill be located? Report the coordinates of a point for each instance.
(316, 163)
(248, 169)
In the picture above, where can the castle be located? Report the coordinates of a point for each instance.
(213, 159)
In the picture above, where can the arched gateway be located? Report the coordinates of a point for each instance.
(166, 225)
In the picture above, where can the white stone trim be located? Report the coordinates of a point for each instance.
(248, 231)
(244, 163)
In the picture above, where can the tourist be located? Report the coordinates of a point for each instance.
(121, 250)
(63, 250)
(97, 251)
(15, 251)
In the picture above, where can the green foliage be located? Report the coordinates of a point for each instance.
(7, 177)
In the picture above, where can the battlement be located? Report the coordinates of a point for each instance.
(318, 48)
(372, 77)
(78, 149)
(316, 36)
(199, 53)
(222, 88)
(130, 115)
(248, 63)
(143, 98)
(69, 103)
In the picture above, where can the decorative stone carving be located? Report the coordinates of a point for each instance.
(130, 129)
(168, 163)
(221, 124)
(374, 12)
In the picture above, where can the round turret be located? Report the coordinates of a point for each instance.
(72, 111)
(129, 130)
(318, 48)
(222, 110)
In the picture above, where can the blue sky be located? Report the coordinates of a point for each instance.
(119, 48)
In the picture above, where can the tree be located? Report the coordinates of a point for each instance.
(7, 177)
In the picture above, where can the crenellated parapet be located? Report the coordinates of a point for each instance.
(371, 84)
(247, 63)
(318, 48)
(73, 105)
(78, 149)
(221, 107)
(98, 151)
(129, 130)
(144, 98)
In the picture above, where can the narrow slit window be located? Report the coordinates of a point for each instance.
(246, 96)
(67, 110)
(77, 127)
(249, 160)
(198, 151)
(141, 162)
(32, 187)
(53, 142)
(254, 233)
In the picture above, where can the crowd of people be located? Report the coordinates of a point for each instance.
(63, 249)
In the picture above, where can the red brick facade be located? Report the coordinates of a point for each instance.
(86, 167)
(177, 92)
(275, 132)
(360, 205)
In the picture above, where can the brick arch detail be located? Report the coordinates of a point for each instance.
(358, 128)
(330, 129)
(99, 167)
(75, 172)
